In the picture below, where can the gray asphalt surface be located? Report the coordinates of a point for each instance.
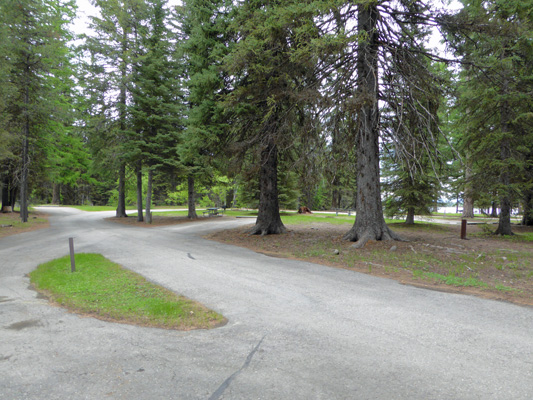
(296, 330)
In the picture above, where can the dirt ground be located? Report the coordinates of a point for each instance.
(10, 223)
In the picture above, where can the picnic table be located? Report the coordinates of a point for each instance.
(211, 211)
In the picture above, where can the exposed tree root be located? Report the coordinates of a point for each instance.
(273, 229)
(361, 238)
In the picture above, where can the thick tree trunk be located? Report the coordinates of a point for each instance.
(139, 173)
(121, 207)
(149, 197)
(369, 222)
(268, 218)
(468, 201)
(410, 219)
(191, 201)
(56, 193)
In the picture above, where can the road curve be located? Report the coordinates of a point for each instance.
(296, 330)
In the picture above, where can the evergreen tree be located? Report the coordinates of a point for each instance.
(495, 40)
(384, 41)
(110, 51)
(204, 25)
(36, 46)
(273, 76)
(156, 107)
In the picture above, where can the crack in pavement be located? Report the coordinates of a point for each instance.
(220, 391)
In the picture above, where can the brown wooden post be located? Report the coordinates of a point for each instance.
(463, 229)
(72, 261)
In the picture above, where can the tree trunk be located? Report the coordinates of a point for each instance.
(335, 194)
(235, 191)
(410, 219)
(191, 201)
(528, 209)
(121, 207)
(13, 197)
(139, 173)
(149, 198)
(268, 218)
(504, 223)
(6, 203)
(369, 222)
(56, 193)
(25, 158)
(468, 201)
(494, 210)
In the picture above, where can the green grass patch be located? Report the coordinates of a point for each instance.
(293, 218)
(180, 213)
(106, 290)
(10, 223)
(449, 279)
(13, 220)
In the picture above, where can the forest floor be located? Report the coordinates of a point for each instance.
(10, 223)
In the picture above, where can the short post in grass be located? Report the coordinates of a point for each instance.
(463, 229)
(72, 261)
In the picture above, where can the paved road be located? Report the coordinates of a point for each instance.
(296, 330)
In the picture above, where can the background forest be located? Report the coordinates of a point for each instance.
(269, 105)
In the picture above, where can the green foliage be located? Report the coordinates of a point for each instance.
(36, 94)
(204, 28)
(494, 98)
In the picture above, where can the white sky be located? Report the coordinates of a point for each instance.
(85, 10)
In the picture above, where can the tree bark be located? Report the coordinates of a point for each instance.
(139, 173)
(494, 210)
(149, 197)
(410, 219)
(121, 207)
(6, 203)
(369, 222)
(468, 200)
(504, 223)
(528, 209)
(191, 201)
(25, 154)
(268, 218)
(56, 193)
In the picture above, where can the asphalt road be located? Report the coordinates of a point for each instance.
(296, 330)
